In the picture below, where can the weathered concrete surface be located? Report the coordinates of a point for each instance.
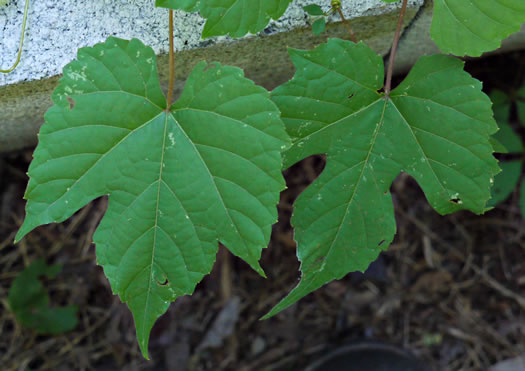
(56, 29)
(25, 94)
(62, 27)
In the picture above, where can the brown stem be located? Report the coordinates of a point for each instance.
(169, 99)
(352, 34)
(390, 71)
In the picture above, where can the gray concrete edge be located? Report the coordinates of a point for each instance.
(264, 59)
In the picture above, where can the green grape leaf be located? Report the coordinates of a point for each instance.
(179, 181)
(471, 27)
(435, 126)
(506, 181)
(29, 301)
(231, 17)
(319, 26)
(313, 9)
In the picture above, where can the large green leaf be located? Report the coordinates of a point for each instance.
(30, 302)
(435, 126)
(471, 27)
(178, 181)
(231, 17)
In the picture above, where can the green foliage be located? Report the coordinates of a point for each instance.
(471, 27)
(313, 9)
(178, 181)
(231, 17)
(186, 5)
(207, 169)
(435, 126)
(317, 16)
(319, 26)
(507, 181)
(30, 303)
(458, 27)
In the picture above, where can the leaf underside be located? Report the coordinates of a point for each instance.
(179, 182)
(231, 17)
(435, 126)
(471, 27)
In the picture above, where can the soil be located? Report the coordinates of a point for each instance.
(451, 289)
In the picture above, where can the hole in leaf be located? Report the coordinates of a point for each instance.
(455, 200)
(165, 283)
(351, 96)
(380, 243)
(71, 102)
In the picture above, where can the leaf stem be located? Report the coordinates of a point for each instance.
(22, 33)
(352, 34)
(390, 71)
(169, 99)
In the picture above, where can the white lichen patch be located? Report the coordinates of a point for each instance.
(171, 138)
(74, 75)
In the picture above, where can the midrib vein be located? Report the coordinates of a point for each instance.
(155, 226)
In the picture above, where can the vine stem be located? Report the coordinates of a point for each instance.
(352, 34)
(390, 71)
(19, 54)
(169, 98)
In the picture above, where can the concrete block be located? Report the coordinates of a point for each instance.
(57, 29)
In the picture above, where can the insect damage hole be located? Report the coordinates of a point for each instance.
(165, 283)
(71, 102)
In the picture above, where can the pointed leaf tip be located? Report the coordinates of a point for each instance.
(178, 183)
(436, 126)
